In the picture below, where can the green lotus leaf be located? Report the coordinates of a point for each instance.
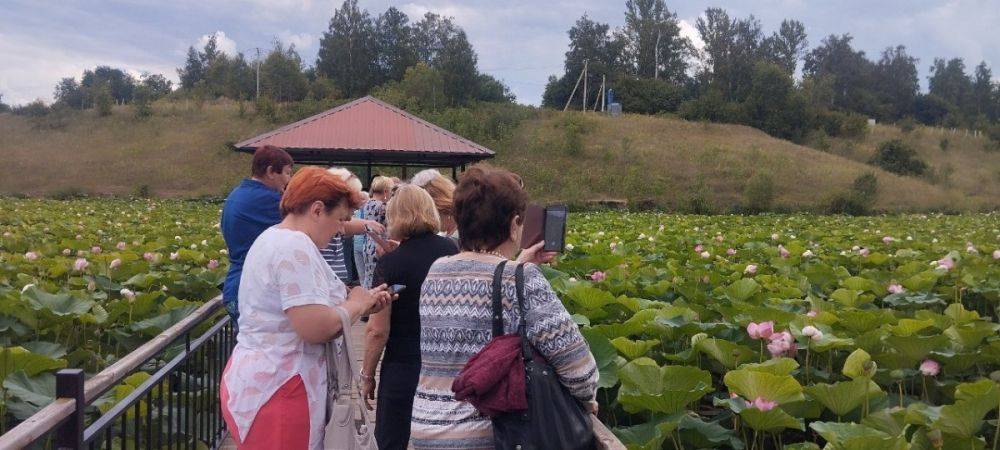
(50, 349)
(909, 327)
(776, 366)
(742, 289)
(855, 364)
(970, 335)
(752, 384)
(913, 349)
(668, 389)
(891, 421)
(972, 401)
(860, 284)
(29, 393)
(830, 342)
(633, 349)
(860, 321)
(13, 359)
(156, 325)
(727, 353)
(852, 436)
(921, 414)
(922, 281)
(59, 304)
(771, 421)
(847, 297)
(646, 436)
(959, 315)
(802, 446)
(701, 434)
(588, 297)
(843, 397)
(910, 300)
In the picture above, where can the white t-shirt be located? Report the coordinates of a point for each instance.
(283, 269)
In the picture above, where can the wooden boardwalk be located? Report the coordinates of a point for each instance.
(358, 334)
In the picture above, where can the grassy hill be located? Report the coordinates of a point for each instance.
(181, 151)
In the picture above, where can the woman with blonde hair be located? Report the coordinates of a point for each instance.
(374, 210)
(413, 220)
(442, 190)
(274, 388)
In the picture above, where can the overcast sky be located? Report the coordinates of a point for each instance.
(521, 42)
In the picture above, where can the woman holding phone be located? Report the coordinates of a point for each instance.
(274, 388)
(413, 221)
(374, 210)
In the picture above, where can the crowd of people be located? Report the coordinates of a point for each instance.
(312, 253)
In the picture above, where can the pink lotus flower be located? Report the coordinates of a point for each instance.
(996, 254)
(705, 255)
(888, 239)
(213, 264)
(812, 313)
(31, 256)
(762, 330)
(174, 256)
(95, 249)
(930, 368)
(127, 293)
(781, 343)
(79, 236)
(719, 238)
(67, 252)
(783, 251)
(807, 254)
(7, 234)
(895, 288)
(115, 263)
(971, 249)
(864, 251)
(762, 404)
(809, 330)
(774, 237)
(751, 269)
(598, 276)
(731, 251)
(946, 263)
(699, 248)
(120, 246)
(80, 264)
(149, 256)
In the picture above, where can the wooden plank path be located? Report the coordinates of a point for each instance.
(358, 334)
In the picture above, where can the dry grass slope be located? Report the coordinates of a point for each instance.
(181, 152)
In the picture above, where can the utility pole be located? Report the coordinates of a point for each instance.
(656, 57)
(584, 108)
(571, 94)
(603, 94)
(258, 74)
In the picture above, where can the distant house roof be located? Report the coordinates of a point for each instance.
(369, 130)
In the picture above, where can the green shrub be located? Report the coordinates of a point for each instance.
(36, 108)
(648, 96)
(907, 124)
(713, 107)
(69, 193)
(758, 194)
(866, 188)
(847, 203)
(944, 144)
(143, 191)
(574, 127)
(897, 157)
(104, 102)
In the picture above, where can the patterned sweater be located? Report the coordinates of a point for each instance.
(455, 310)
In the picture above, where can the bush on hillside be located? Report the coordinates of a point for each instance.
(758, 194)
(897, 157)
(907, 124)
(866, 188)
(857, 201)
(36, 108)
(839, 124)
(574, 127)
(713, 107)
(648, 96)
(104, 102)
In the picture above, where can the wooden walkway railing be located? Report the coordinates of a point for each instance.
(177, 378)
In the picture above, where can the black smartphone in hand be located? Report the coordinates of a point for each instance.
(554, 227)
(397, 288)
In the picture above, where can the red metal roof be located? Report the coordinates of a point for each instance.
(371, 129)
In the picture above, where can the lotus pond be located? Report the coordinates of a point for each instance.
(710, 332)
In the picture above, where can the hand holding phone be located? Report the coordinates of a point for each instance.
(397, 288)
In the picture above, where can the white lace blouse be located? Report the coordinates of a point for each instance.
(283, 269)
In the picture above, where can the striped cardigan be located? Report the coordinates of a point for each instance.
(455, 311)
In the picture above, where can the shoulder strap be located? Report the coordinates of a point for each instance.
(345, 331)
(497, 307)
(521, 326)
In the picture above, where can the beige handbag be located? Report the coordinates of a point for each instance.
(348, 426)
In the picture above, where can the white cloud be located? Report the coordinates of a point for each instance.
(689, 31)
(222, 42)
(301, 41)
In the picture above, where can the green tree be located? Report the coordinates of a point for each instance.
(457, 64)
(348, 50)
(899, 158)
(120, 85)
(394, 41)
(69, 93)
(592, 42)
(144, 97)
(193, 70)
(430, 35)
(785, 47)
(773, 105)
(732, 48)
(493, 90)
(421, 89)
(157, 85)
(849, 71)
(3, 106)
(655, 48)
(103, 99)
(949, 82)
(281, 76)
(896, 83)
(982, 91)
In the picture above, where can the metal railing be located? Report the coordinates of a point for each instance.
(176, 406)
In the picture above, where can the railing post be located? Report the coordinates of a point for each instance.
(69, 384)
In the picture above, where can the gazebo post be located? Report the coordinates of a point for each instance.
(369, 182)
(454, 173)
(404, 171)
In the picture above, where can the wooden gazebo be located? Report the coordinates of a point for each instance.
(369, 132)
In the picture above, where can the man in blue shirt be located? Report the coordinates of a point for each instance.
(250, 209)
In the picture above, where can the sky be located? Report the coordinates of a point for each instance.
(521, 42)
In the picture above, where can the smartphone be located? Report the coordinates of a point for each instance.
(554, 227)
(532, 232)
(397, 288)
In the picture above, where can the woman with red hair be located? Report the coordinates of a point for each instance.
(274, 389)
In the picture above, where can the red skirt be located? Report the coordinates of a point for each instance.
(282, 423)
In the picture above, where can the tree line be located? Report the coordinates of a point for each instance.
(424, 64)
(744, 75)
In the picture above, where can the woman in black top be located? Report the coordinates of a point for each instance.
(413, 220)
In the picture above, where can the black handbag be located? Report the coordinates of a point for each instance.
(554, 418)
